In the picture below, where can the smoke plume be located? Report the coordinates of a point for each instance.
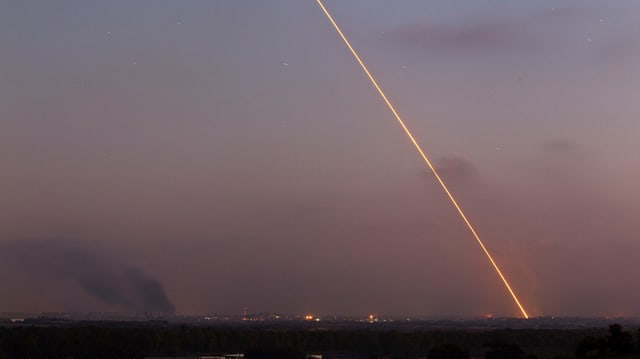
(101, 277)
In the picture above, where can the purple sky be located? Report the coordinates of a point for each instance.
(232, 153)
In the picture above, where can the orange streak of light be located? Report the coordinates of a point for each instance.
(425, 158)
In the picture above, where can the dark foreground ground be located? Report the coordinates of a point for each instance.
(41, 339)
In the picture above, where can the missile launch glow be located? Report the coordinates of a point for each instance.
(425, 158)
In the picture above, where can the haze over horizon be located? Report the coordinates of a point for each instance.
(201, 156)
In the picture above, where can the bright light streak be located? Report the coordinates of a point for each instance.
(425, 158)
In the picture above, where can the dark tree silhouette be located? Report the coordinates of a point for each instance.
(504, 351)
(591, 346)
(448, 351)
(620, 343)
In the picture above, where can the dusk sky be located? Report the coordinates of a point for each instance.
(202, 156)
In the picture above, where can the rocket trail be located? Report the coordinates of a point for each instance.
(425, 158)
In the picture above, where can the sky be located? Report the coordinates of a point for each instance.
(202, 156)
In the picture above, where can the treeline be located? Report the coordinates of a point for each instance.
(618, 343)
(97, 341)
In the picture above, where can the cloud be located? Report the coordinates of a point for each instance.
(121, 285)
(527, 33)
(558, 145)
(562, 153)
(561, 14)
(455, 168)
(476, 37)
